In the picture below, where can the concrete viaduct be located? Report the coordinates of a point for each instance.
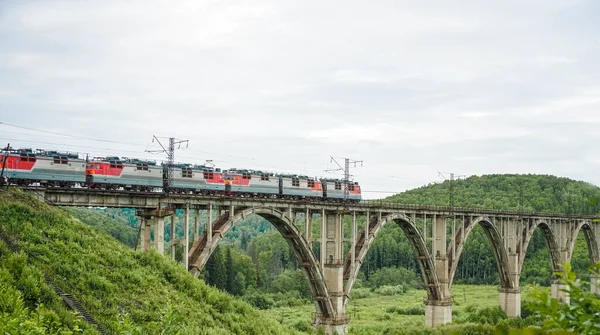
(437, 234)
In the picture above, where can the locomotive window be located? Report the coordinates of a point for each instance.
(186, 173)
(139, 167)
(338, 185)
(119, 166)
(56, 159)
(296, 182)
(246, 176)
(311, 183)
(350, 187)
(264, 177)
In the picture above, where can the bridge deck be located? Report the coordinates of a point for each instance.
(151, 200)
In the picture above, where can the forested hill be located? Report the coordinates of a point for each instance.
(542, 193)
(127, 292)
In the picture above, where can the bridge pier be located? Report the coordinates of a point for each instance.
(333, 272)
(144, 234)
(594, 284)
(439, 312)
(560, 292)
(510, 301)
(153, 218)
(510, 297)
(159, 235)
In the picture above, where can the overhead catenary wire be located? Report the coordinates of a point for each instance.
(60, 137)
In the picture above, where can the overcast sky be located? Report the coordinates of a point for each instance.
(409, 87)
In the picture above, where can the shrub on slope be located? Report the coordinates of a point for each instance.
(28, 305)
(145, 291)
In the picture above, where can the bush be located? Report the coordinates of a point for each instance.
(394, 277)
(486, 315)
(390, 290)
(360, 293)
(412, 310)
(303, 326)
(259, 300)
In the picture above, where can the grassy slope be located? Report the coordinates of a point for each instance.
(374, 314)
(144, 291)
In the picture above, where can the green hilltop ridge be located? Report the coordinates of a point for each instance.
(531, 192)
(127, 292)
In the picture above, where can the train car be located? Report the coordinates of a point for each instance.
(47, 168)
(301, 187)
(251, 183)
(114, 172)
(198, 178)
(334, 189)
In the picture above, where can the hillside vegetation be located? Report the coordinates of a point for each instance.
(127, 292)
(540, 193)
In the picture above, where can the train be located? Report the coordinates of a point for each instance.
(50, 168)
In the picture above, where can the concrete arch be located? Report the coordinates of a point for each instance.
(493, 235)
(551, 242)
(285, 225)
(590, 240)
(434, 292)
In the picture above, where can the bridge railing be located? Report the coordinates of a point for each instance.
(464, 210)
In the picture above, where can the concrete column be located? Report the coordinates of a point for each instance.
(323, 239)
(186, 235)
(308, 227)
(562, 235)
(159, 235)
(510, 297)
(196, 224)
(208, 227)
(439, 312)
(145, 238)
(510, 301)
(173, 241)
(594, 284)
(353, 246)
(334, 273)
(560, 292)
(367, 228)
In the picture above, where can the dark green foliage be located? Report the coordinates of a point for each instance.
(477, 265)
(489, 315)
(412, 310)
(28, 305)
(215, 270)
(126, 291)
(581, 316)
(124, 233)
(394, 277)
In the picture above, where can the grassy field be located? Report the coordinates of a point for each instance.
(372, 315)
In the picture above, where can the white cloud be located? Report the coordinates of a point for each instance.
(410, 87)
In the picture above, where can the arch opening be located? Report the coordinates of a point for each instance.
(580, 262)
(424, 260)
(497, 247)
(288, 230)
(539, 245)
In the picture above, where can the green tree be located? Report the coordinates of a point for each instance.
(581, 315)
